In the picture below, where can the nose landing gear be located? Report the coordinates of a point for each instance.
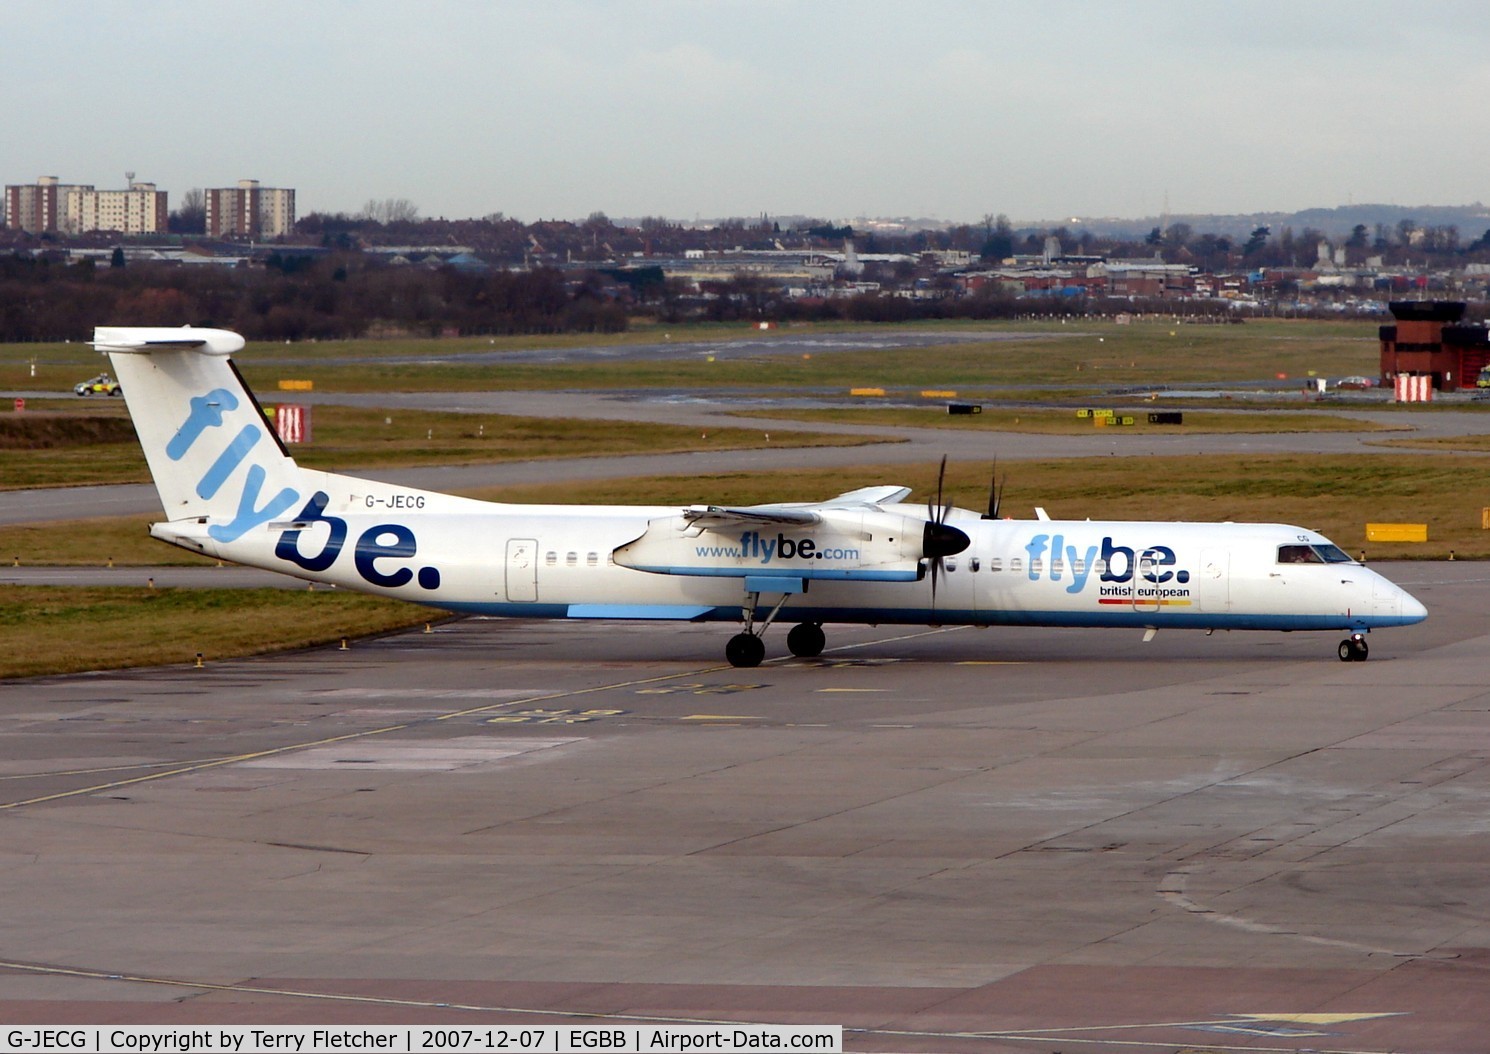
(1354, 649)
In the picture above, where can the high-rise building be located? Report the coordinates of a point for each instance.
(35, 207)
(74, 208)
(249, 210)
(139, 210)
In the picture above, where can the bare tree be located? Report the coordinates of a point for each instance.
(390, 210)
(190, 217)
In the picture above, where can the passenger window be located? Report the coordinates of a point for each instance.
(972, 564)
(571, 559)
(1099, 567)
(550, 558)
(1015, 564)
(1057, 566)
(593, 559)
(1078, 567)
(1037, 567)
(950, 563)
(995, 564)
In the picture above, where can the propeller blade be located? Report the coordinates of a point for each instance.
(995, 493)
(941, 478)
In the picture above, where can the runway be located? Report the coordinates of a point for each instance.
(945, 840)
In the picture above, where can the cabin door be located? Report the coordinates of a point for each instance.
(522, 570)
(1212, 583)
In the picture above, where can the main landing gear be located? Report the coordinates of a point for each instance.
(1354, 649)
(805, 640)
(746, 649)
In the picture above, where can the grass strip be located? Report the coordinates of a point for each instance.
(73, 450)
(54, 630)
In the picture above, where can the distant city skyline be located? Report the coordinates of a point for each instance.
(714, 108)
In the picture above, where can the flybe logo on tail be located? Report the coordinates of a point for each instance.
(207, 412)
(1154, 566)
(372, 553)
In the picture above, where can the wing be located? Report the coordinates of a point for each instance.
(800, 514)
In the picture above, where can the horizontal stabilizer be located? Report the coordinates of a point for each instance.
(141, 340)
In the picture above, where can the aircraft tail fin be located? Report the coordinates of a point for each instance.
(212, 452)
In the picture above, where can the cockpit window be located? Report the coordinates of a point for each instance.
(1312, 554)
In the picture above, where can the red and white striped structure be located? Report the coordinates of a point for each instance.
(292, 422)
(1414, 388)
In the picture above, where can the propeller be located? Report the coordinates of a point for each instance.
(995, 493)
(939, 541)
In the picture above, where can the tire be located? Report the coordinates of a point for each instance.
(745, 650)
(806, 641)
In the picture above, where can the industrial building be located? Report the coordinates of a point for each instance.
(1431, 339)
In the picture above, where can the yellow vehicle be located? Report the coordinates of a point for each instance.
(103, 384)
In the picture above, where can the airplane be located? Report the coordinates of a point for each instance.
(230, 489)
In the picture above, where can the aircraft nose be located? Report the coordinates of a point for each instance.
(1412, 607)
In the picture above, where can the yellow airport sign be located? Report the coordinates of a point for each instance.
(1396, 532)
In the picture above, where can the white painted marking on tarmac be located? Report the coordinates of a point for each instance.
(447, 755)
(425, 693)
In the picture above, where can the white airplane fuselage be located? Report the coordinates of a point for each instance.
(557, 561)
(229, 489)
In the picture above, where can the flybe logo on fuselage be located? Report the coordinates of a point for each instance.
(374, 547)
(765, 550)
(1055, 559)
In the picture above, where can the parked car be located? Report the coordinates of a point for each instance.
(1355, 383)
(103, 384)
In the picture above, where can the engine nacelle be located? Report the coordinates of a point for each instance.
(850, 545)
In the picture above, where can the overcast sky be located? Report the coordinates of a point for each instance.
(555, 109)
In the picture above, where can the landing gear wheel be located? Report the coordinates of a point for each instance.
(1354, 649)
(807, 640)
(744, 650)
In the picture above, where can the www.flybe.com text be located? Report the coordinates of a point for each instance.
(753, 547)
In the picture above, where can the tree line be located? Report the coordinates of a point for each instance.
(295, 298)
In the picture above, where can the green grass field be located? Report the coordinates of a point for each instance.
(50, 630)
(1091, 352)
(73, 445)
